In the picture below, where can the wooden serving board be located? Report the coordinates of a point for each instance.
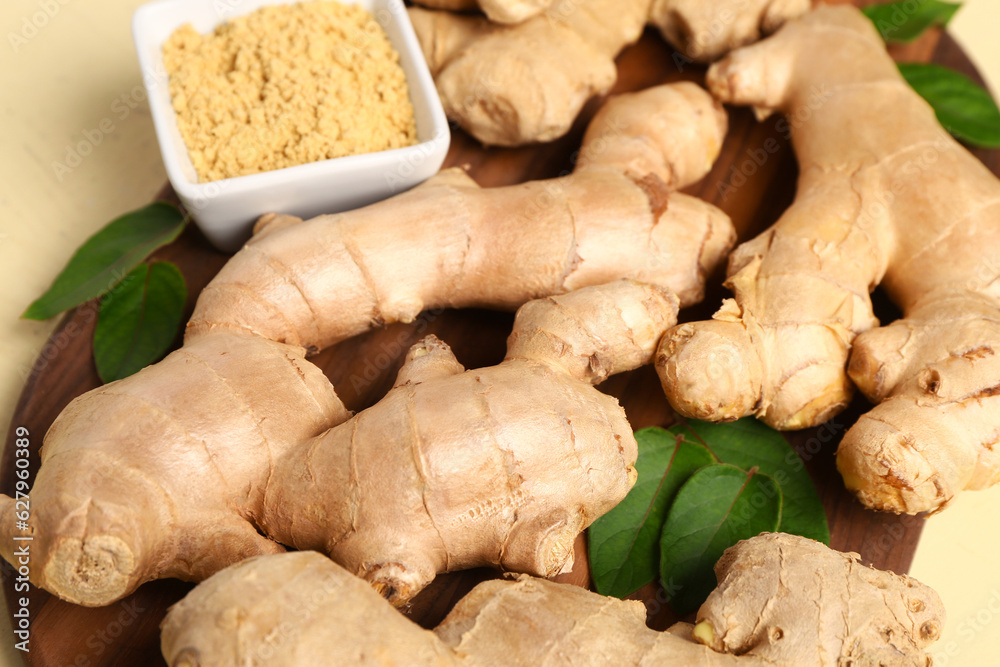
(751, 183)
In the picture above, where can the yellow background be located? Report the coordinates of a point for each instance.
(73, 74)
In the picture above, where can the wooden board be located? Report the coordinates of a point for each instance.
(751, 185)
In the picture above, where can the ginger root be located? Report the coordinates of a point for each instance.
(781, 600)
(514, 85)
(318, 282)
(501, 466)
(884, 196)
(705, 30)
(165, 473)
(162, 473)
(498, 11)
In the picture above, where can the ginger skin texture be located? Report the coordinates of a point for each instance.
(515, 85)
(166, 473)
(318, 282)
(526, 83)
(500, 466)
(781, 600)
(886, 197)
(705, 30)
(497, 11)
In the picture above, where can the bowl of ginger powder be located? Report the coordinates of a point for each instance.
(300, 108)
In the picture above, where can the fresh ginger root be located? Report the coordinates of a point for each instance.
(298, 609)
(501, 466)
(789, 600)
(515, 85)
(781, 600)
(165, 473)
(498, 11)
(704, 30)
(318, 282)
(160, 474)
(885, 196)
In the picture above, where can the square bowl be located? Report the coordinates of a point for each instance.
(225, 210)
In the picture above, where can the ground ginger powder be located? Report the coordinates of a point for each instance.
(287, 85)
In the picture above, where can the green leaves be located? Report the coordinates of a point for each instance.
(701, 488)
(138, 320)
(962, 107)
(624, 543)
(107, 256)
(748, 443)
(906, 20)
(716, 508)
(143, 304)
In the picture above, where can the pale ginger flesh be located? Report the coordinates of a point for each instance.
(501, 466)
(510, 85)
(885, 197)
(164, 474)
(781, 600)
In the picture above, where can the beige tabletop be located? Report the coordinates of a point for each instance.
(69, 78)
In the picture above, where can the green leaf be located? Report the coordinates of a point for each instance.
(717, 507)
(962, 107)
(107, 256)
(748, 443)
(625, 542)
(906, 20)
(139, 320)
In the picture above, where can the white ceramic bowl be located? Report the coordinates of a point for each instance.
(225, 210)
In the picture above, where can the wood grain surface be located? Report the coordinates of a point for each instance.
(751, 184)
